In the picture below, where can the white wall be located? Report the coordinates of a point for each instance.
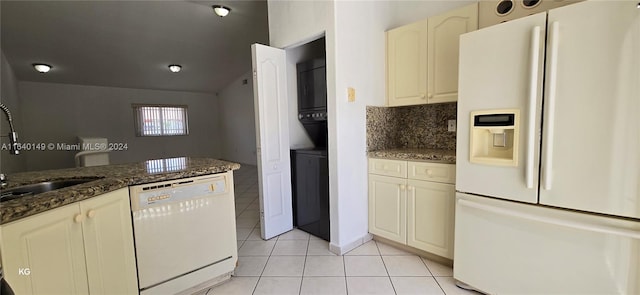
(237, 121)
(360, 64)
(355, 37)
(295, 22)
(60, 112)
(9, 97)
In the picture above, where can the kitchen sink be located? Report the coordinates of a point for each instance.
(41, 187)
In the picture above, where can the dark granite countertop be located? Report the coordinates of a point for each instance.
(112, 177)
(416, 154)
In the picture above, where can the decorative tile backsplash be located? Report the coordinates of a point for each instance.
(421, 126)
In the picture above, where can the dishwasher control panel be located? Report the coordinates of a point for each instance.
(154, 194)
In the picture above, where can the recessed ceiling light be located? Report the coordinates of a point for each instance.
(42, 68)
(175, 68)
(221, 10)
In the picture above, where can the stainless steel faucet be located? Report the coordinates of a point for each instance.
(13, 140)
(3, 180)
(13, 136)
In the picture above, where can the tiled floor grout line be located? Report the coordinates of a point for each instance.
(344, 266)
(265, 265)
(304, 265)
(386, 269)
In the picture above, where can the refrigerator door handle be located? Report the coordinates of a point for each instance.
(533, 95)
(551, 104)
(553, 221)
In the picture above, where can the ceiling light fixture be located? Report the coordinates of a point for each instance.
(221, 10)
(175, 68)
(42, 68)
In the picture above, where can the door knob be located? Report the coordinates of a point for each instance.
(91, 213)
(78, 218)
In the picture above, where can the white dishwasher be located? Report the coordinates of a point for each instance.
(184, 233)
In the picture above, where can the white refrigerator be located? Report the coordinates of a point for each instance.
(548, 153)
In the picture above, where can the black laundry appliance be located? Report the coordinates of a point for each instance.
(310, 171)
(310, 167)
(312, 100)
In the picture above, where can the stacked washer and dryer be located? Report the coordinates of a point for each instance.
(310, 166)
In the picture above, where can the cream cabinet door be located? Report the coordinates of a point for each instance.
(108, 240)
(44, 253)
(387, 207)
(442, 47)
(430, 217)
(407, 64)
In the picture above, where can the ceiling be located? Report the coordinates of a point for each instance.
(130, 43)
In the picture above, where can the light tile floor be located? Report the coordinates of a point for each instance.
(298, 263)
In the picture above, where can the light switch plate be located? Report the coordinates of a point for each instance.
(351, 94)
(451, 125)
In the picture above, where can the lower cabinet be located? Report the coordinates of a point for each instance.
(410, 210)
(82, 248)
(388, 207)
(430, 217)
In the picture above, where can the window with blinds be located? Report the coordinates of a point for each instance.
(161, 120)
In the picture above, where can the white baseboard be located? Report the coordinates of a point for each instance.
(341, 250)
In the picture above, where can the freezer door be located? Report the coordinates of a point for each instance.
(591, 141)
(504, 247)
(501, 67)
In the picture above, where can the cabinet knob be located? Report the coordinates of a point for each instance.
(91, 213)
(410, 188)
(422, 96)
(430, 95)
(429, 172)
(402, 187)
(78, 218)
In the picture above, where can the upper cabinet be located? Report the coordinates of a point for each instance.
(443, 43)
(422, 58)
(407, 64)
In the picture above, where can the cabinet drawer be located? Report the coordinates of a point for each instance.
(388, 167)
(445, 173)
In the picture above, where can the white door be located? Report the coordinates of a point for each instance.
(496, 72)
(591, 141)
(272, 138)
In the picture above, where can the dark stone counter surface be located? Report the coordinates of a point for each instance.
(415, 154)
(112, 177)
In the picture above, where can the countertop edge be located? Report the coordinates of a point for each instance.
(421, 155)
(14, 210)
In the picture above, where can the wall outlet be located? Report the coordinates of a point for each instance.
(451, 125)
